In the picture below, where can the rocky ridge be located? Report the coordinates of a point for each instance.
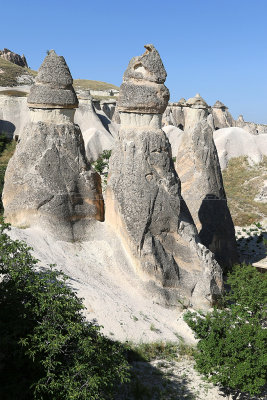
(14, 58)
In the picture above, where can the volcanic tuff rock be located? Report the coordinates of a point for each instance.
(142, 90)
(198, 167)
(143, 197)
(53, 85)
(221, 116)
(14, 58)
(49, 181)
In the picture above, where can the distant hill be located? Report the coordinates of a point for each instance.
(14, 75)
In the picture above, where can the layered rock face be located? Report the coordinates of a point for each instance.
(14, 58)
(49, 182)
(143, 198)
(198, 167)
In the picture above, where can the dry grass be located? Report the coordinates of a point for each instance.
(93, 85)
(13, 93)
(242, 183)
(7, 153)
(9, 73)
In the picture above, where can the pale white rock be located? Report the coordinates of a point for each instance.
(14, 114)
(236, 142)
(175, 136)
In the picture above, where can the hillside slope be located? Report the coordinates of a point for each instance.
(13, 75)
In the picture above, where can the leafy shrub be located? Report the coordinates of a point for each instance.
(233, 340)
(102, 162)
(101, 165)
(47, 349)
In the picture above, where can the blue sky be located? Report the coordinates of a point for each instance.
(215, 47)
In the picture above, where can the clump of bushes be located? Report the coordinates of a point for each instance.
(232, 343)
(47, 348)
(101, 165)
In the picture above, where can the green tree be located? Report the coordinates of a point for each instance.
(232, 349)
(47, 349)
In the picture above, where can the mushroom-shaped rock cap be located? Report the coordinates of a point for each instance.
(143, 89)
(53, 85)
(182, 101)
(148, 67)
(219, 104)
(197, 102)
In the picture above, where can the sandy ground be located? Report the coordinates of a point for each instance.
(252, 244)
(113, 294)
(174, 380)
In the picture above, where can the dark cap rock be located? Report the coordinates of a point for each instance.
(148, 66)
(53, 85)
(143, 89)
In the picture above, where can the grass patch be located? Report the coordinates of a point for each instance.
(168, 351)
(93, 85)
(242, 183)
(106, 98)
(13, 93)
(9, 73)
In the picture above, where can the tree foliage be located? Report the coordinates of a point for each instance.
(233, 340)
(47, 349)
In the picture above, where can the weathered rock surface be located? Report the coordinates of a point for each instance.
(198, 167)
(144, 204)
(221, 116)
(236, 142)
(14, 115)
(14, 58)
(251, 127)
(53, 85)
(49, 182)
(97, 136)
(142, 90)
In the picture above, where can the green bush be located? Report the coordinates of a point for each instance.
(232, 349)
(47, 349)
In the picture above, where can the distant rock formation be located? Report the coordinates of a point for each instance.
(49, 182)
(251, 127)
(14, 58)
(186, 114)
(143, 197)
(221, 116)
(198, 167)
(237, 142)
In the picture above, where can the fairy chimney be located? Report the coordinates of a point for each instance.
(143, 198)
(49, 183)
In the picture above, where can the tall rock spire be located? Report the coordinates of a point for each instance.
(197, 164)
(49, 182)
(143, 198)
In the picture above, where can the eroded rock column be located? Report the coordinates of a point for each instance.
(197, 164)
(143, 198)
(49, 182)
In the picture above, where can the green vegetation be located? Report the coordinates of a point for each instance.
(101, 165)
(48, 350)
(7, 149)
(160, 351)
(232, 349)
(10, 72)
(242, 183)
(14, 93)
(93, 85)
